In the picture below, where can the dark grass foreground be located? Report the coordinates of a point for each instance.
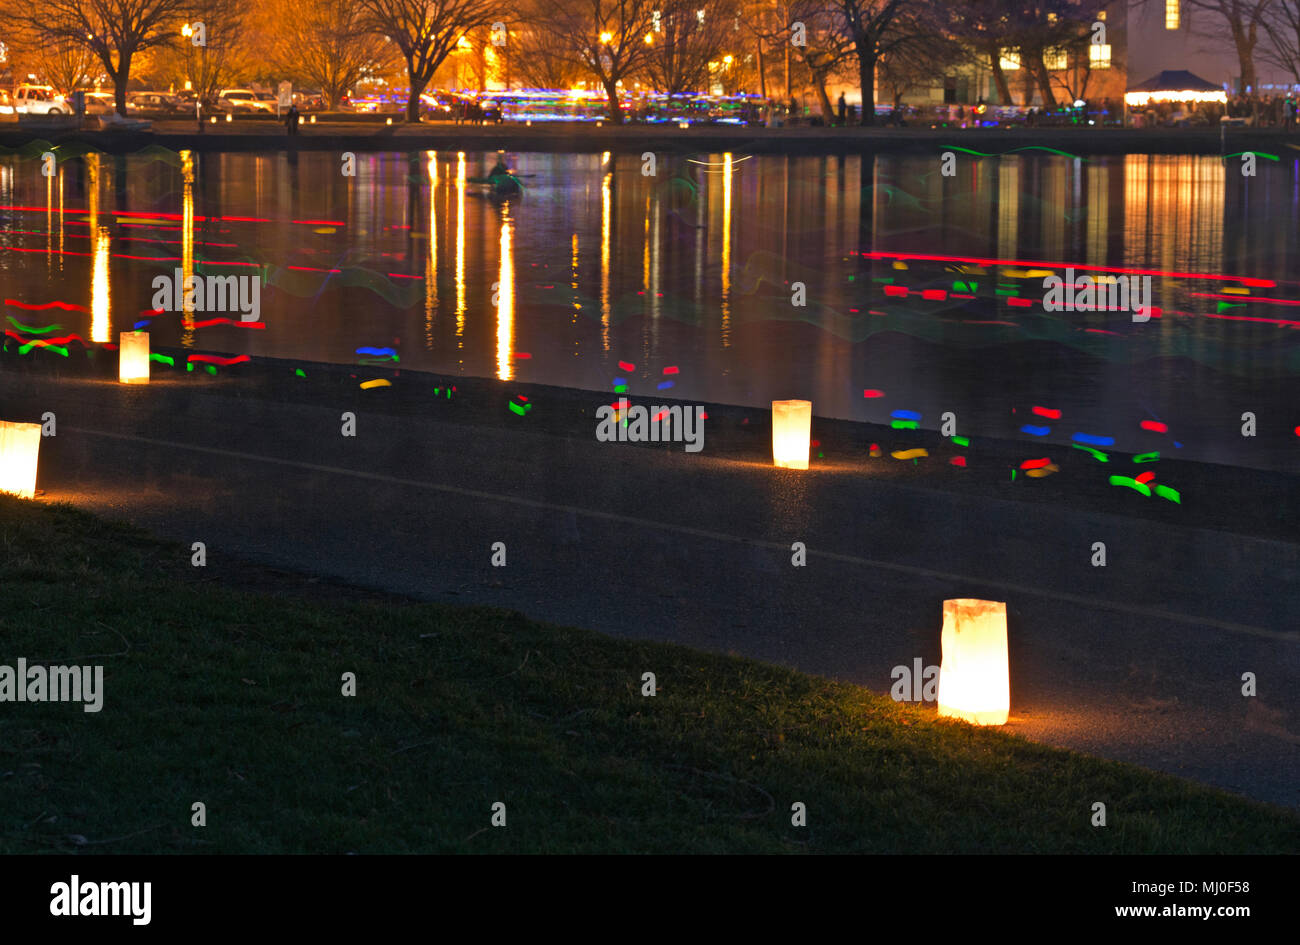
(222, 685)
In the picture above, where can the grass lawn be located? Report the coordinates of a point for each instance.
(223, 685)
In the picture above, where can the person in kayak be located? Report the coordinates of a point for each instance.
(500, 170)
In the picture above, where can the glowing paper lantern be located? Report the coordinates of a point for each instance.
(19, 445)
(791, 433)
(974, 683)
(133, 357)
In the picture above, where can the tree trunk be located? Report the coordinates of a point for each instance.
(413, 102)
(1245, 57)
(788, 93)
(1043, 79)
(1000, 77)
(615, 112)
(828, 112)
(762, 74)
(867, 80)
(120, 80)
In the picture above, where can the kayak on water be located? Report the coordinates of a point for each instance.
(503, 185)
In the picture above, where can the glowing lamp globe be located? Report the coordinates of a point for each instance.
(20, 443)
(974, 683)
(133, 357)
(791, 433)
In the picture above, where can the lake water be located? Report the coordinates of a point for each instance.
(925, 288)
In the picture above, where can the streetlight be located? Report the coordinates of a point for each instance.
(606, 37)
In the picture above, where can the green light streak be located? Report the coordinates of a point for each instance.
(1141, 487)
(32, 329)
(23, 349)
(1097, 454)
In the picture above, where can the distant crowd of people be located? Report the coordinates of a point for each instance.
(1258, 111)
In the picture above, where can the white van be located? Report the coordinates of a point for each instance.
(39, 100)
(242, 101)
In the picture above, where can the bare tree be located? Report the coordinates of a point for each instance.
(64, 65)
(211, 57)
(115, 31)
(424, 32)
(541, 59)
(324, 44)
(604, 38)
(878, 29)
(1245, 19)
(1283, 28)
(827, 48)
(690, 35)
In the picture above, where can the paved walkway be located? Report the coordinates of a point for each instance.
(1139, 661)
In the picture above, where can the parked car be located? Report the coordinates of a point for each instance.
(39, 100)
(155, 102)
(309, 100)
(100, 103)
(268, 101)
(240, 101)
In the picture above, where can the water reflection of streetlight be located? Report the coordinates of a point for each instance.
(460, 249)
(605, 225)
(101, 327)
(726, 251)
(187, 246)
(505, 301)
(431, 270)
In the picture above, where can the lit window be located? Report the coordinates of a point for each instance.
(1054, 59)
(1102, 16)
(1099, 54)
(1173, 13)
(1010, 60)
